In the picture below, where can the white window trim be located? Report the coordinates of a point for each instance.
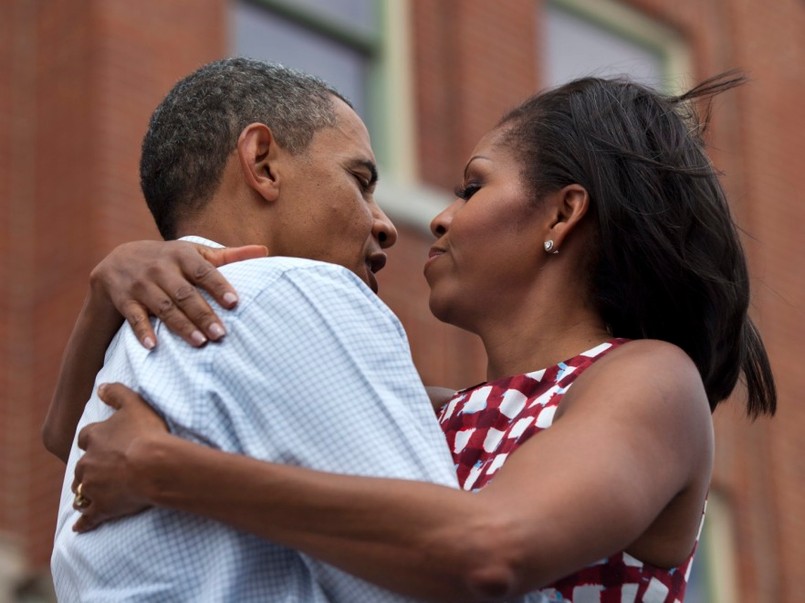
(399, 192)
(719, 550)
(414, 205)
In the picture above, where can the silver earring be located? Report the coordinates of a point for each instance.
(549, 247)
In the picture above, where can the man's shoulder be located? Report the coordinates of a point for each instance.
(262, 269)
(251, 277)
(276, 277)
(303, 291)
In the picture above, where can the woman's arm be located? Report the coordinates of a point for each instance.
(134, 442)
(631, 439)
(83, 358)
(133, 280)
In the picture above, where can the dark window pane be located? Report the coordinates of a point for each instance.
(360, 14)
(576, 47)
(260, 34)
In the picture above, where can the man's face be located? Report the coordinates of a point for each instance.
(330, 212)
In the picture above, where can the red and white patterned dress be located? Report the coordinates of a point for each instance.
(486, 423)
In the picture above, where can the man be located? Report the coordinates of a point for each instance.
(315, 370)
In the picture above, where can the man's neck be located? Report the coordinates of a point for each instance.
(221, 230)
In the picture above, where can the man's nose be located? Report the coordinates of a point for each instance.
(383, 229)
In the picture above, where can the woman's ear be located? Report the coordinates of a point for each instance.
(258, 152)
(570, 205)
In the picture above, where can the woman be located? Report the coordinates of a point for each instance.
(590, 244)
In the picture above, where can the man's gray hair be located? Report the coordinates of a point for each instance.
(197, 125)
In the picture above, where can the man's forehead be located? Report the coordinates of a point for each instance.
(348, 136)
(351, 124)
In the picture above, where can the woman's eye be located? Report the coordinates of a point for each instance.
(467, 190)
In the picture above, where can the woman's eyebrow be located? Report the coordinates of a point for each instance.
(473, 158)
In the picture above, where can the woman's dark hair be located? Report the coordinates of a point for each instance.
(667, 260)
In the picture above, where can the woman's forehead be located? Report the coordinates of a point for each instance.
(496, 145)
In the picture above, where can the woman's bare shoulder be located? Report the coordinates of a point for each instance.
(651, 382)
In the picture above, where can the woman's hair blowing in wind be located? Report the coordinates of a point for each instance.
(667, 262)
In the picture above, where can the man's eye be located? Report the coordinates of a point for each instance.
(467, 190)
(363, 182)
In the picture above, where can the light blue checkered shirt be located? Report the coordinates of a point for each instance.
(315, 371)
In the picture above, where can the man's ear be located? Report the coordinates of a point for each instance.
(258, 152)
(570, 204)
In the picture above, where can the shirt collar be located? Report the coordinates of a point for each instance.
(201, 241)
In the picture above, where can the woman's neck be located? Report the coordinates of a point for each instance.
(538, 340)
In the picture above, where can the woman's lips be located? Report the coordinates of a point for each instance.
(434, 253)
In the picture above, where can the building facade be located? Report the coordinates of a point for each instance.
(80, 78)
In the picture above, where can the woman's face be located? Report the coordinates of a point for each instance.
(489, 243)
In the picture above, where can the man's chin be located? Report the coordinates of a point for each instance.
(371, 280)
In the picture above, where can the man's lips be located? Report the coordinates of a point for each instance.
(376, 261)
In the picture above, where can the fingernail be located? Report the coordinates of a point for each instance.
(230, 298)
(148, 343)
(216, 331)
(101, 388)
(198, 338)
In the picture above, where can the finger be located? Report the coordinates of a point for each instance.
(167, 308)
(115, 395)
(85, 523)
(172, 296)
(84, 506)
(198, 311)
(228, 255)
(83, 441)
(211, 280)
(78, 474)
(137, 316)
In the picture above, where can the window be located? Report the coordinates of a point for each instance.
(608, 38)
(352, 45)
(334, 40)
(712, 577)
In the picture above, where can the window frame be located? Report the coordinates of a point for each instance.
(716, 555)
(389, 100)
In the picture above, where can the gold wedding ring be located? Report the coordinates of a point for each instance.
(80, 501)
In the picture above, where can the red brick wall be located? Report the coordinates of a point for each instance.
(80, 80)
(473, 60)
